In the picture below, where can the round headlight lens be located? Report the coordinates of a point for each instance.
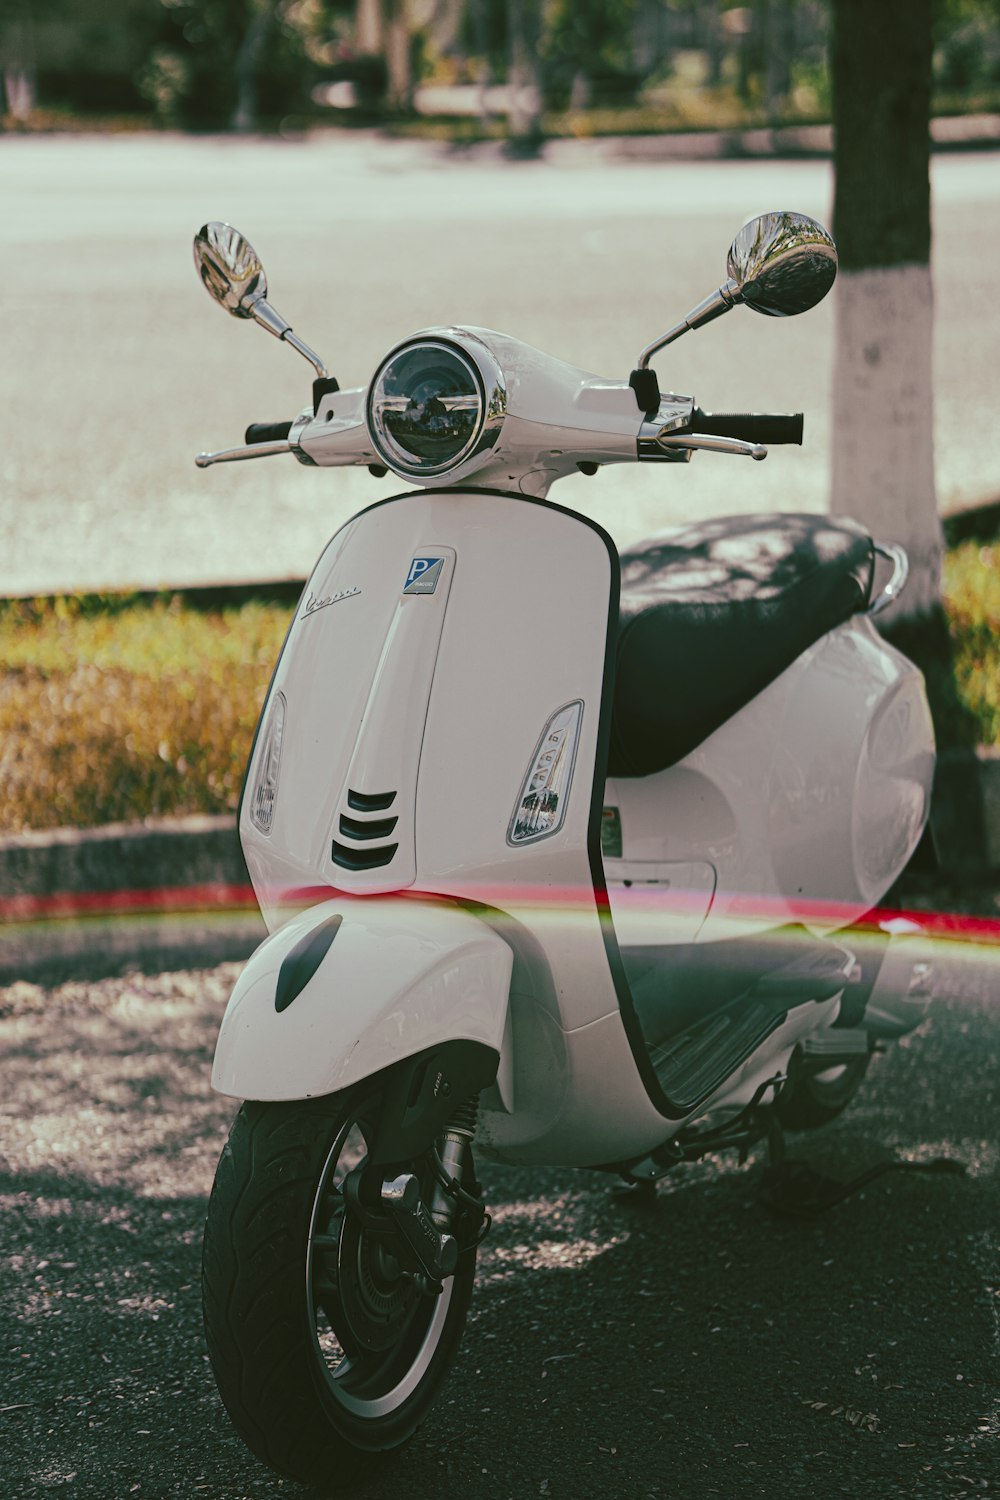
(426, 408)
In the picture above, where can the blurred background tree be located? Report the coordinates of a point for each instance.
(966, 48)
(83, 55)
(224, 63)
(590, 52)
(564, 64)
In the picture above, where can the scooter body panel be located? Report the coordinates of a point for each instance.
(397, 977)
(801, 808)
(411, 717)
(433, 703)
(435, 641)
(518, 626)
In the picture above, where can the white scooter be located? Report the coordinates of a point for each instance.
(568, 853)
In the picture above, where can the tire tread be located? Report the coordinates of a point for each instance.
(253, 1276)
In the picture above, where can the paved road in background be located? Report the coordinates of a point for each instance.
(117, 369)
(688, 1347)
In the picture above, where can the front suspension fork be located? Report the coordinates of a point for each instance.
(397, 1204)
(451, 1165)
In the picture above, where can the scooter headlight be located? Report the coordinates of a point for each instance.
(435, 406)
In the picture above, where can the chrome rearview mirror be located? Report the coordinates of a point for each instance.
(779, 264)
(230, 269)
(231, 273)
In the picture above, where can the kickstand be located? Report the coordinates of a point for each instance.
(791, 1188)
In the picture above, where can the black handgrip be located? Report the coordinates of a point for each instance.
(751, 427)
(267, 432)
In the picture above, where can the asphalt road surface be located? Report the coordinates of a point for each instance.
(686, 1347)
(117, 369)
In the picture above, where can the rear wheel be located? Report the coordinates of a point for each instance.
(326, 1351)
(812, 1098)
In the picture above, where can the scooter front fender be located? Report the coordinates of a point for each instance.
(351, 986)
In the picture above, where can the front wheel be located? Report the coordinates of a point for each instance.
(326, 1351)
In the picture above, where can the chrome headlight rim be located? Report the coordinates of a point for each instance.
(488, 378)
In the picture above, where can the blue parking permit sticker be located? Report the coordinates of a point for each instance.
(423, 575)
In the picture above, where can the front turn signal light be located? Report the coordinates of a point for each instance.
(541, 807)
(265, 784)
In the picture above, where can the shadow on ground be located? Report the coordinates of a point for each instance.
(687, 1345)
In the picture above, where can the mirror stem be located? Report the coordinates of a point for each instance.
(322, 373)
(714, 306)
(263, 313)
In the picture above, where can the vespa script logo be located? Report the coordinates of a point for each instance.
(424, 575)
(317, 602)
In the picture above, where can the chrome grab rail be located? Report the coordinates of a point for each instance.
(897, 583)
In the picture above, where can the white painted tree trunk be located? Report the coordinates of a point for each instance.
(883, 420)
(368, 27)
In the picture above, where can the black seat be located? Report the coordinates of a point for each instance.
(710, 614)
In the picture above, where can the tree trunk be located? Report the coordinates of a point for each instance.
(481, 48)
(368, 28)
(883, 456)
(650, 37)
(712, 40)
(17, 60)
(523, 79)
(779, 51)
(398, 59)
(245, 68)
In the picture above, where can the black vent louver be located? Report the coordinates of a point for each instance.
(377, 828)
(362, 859)
(366, 830)
(370, 801)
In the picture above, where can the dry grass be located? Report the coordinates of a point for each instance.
(972, 598)
(114, 713)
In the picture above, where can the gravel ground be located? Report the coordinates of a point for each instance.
(690, 1345)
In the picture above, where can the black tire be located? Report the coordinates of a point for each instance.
(810, 1099)
(325, 1356)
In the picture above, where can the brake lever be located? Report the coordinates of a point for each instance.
(237, 455)
(710, 444)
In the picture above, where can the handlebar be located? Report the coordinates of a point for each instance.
(678, 430)
(767, 428)
(267, 432)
